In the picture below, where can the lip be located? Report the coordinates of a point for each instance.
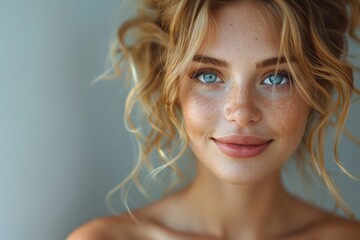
(237, 146)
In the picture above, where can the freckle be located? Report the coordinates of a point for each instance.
(256, 39)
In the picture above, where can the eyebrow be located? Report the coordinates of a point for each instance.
(271, 62)
(211, 60)
(222, 63)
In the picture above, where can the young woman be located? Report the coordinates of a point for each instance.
(245, 85)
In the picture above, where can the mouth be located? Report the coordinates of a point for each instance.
(242, 146)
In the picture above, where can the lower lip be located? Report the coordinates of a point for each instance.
(241, 151)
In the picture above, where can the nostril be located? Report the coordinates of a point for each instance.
(242, 114)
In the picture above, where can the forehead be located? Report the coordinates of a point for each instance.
(242, 25)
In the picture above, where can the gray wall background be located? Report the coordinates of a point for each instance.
(62, 141)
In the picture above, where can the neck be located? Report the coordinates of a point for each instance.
(227, 209)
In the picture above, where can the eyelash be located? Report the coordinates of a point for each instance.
(283, 74)
(195, 75)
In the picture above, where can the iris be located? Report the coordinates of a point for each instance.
(276, 79)
(209, 77)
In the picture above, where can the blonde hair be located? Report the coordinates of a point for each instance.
(166, 34)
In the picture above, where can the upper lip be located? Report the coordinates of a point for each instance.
(242, 139)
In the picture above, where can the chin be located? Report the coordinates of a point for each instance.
(243, 173)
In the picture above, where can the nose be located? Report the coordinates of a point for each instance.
(240, 106)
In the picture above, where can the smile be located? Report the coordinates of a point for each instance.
(242, 147)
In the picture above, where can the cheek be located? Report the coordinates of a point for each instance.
(199, 113)
(289, 117)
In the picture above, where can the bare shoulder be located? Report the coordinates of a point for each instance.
(126, 228)
(100, 228)
(145, 223)
(114, 227)
(337, 228)
(312, 222)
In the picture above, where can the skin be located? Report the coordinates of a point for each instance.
(234, 198)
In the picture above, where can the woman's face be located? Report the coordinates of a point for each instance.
(243, 121)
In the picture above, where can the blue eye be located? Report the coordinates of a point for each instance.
(208, 77)
(276, 79)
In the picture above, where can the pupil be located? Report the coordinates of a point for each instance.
(276, 79)
(209, 78)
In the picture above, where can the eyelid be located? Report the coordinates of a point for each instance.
(200, 71)
(278, 72)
